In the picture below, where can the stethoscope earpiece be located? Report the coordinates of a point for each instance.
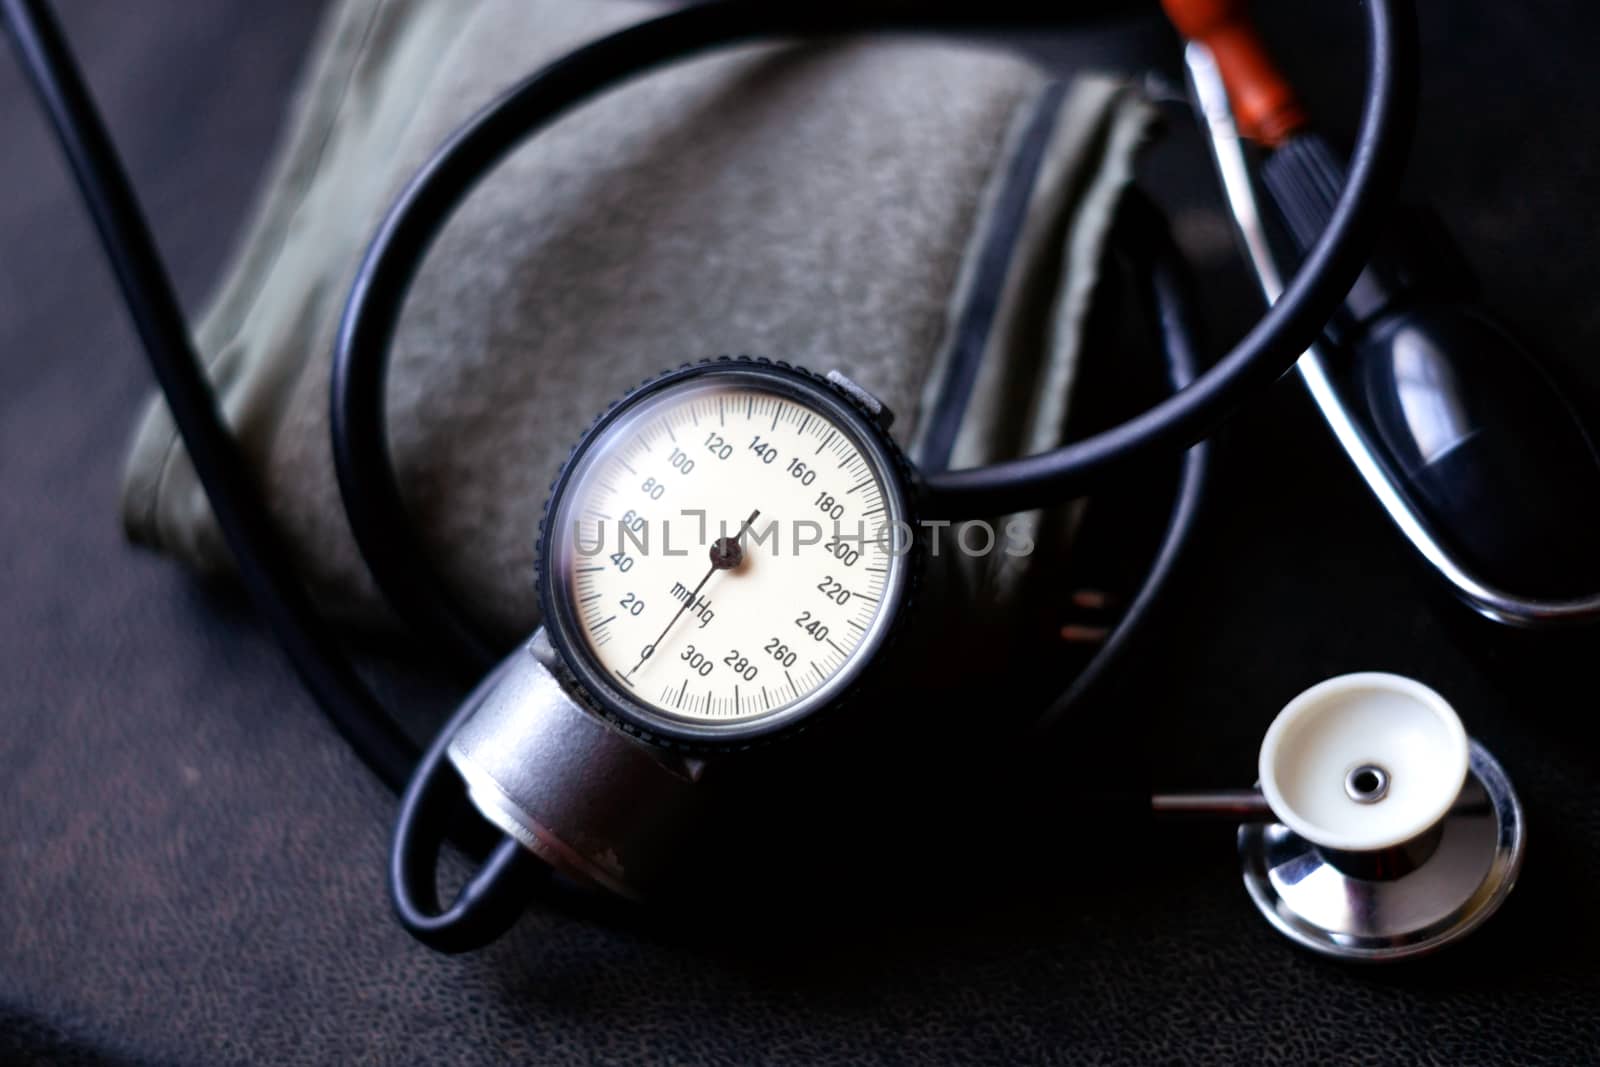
(1394, 832)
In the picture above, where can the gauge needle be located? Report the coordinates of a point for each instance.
(726, 553)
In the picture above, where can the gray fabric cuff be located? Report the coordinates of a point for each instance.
(926, 217)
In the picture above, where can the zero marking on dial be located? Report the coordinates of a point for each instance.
(733, 548)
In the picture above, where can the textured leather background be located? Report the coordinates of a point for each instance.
(190, 861)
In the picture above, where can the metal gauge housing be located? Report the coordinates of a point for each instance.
(726, 553)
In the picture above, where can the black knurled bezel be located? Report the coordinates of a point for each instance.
(558, 626)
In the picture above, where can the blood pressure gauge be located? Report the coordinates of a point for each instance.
(726, 555)
(725, 552)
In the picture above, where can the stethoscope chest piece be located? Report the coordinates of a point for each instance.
(1395, 833)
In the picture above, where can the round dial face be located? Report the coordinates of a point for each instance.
(727, 552)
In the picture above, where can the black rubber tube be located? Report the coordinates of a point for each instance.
(432, 806)
(265, 566)
(1167, 297)
(360, 442)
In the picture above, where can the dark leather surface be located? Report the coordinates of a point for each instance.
(190, 861)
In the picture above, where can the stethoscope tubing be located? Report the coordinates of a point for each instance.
(1313, 367)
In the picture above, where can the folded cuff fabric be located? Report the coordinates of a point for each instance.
(924, 215)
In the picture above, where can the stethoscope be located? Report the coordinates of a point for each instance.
(1378, 829)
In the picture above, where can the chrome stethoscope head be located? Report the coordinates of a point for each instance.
(1379, 830)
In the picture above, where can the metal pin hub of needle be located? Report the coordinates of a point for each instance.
(726, 553)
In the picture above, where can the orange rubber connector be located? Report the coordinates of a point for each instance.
(1264, 103)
